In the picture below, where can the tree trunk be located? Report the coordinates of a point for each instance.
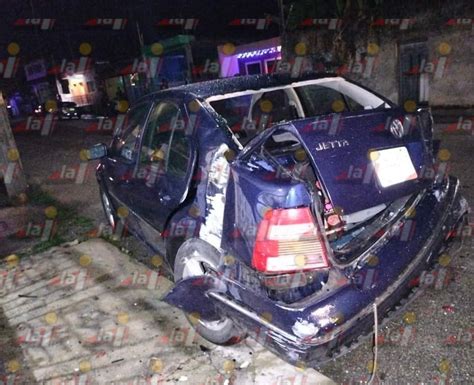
(11, 169)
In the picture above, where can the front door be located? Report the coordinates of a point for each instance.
(165, 164)
(121, 160)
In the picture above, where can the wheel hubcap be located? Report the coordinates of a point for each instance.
(108, 210)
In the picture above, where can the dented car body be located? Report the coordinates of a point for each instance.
(285, 208)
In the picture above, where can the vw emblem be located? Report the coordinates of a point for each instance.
(396, 128)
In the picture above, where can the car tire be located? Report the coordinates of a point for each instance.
(191, 259)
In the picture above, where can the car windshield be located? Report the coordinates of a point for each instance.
(249, 112)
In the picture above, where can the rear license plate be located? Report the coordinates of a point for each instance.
(393, 166)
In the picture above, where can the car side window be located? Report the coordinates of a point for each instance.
(321, 100)
(272, 107)
(126, 142)
(234, 111)
(165, 144)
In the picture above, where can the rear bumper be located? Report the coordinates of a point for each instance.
(346, 315)
(321, 326)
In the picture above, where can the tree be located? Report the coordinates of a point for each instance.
(11, 170)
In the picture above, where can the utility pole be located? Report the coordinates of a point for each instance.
(11, 169)
(282, 18)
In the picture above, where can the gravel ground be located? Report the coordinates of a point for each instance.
(54, 163)
(431, 344)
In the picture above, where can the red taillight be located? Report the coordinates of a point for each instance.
(289, 240)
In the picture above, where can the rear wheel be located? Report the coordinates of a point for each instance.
(193, 264)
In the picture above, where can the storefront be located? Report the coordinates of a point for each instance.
(164, 64)
(260, 57)
(80, 88)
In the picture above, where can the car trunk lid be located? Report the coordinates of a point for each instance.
(366, 158)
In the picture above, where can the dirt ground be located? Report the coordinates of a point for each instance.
(430, 344)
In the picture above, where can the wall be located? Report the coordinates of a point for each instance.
(448, 68)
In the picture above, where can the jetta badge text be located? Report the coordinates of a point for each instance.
(332, 144)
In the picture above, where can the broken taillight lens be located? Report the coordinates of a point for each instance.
(289, 240)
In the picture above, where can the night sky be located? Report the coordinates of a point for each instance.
(70, 30)
(113, 46)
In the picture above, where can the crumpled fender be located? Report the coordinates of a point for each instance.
(191, 296)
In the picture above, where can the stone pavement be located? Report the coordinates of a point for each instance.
(88, 314)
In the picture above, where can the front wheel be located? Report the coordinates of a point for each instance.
(191, 262)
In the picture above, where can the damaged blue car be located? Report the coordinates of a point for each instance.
(296, 211)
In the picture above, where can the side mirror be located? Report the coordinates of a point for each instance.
(97, 151)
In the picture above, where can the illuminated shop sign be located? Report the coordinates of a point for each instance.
(259, 52)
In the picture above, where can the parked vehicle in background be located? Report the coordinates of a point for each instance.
(68, 110)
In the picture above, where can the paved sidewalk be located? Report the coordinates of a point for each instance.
(88, 314)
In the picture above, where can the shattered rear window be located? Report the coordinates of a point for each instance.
(249, 112)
